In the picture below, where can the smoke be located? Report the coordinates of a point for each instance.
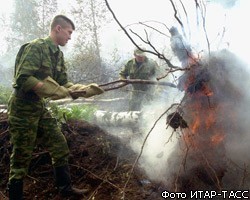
(165, 157)
(160, 144)
(222, 138)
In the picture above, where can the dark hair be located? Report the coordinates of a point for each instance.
(61, 20)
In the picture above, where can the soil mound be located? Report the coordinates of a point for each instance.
(98, 161)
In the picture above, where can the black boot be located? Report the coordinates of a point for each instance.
(15, 188)
(63, 183)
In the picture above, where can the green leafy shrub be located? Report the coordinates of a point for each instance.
(5, 93)
(83, 112)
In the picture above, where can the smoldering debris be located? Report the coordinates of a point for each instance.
(209, 147)
(175, 120)
(211, 154)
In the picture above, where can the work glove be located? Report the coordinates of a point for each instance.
(79, 88)
(51, 89)
(85, 91)
(76, 87)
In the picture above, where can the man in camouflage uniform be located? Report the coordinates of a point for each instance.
(40, 73)
(140, 67)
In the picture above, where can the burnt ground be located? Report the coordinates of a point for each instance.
(98, 161)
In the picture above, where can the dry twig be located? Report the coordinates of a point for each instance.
(142, 147)
(96, 176)
(3, 196)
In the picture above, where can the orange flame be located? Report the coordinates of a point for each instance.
(203, 117)
(217, 138)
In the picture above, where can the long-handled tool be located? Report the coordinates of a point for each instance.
(123, 82)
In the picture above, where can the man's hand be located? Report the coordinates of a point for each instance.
(76, 87)
(85, 91)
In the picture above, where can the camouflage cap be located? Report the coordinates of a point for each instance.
(139, 52)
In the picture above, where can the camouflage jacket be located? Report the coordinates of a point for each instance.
(147, 71)
(39, 58)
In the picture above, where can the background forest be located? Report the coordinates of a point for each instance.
(84, 53)
(99, 47)
(211, 98)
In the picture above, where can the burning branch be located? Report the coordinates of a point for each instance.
(171, 71)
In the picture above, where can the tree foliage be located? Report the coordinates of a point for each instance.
(30, 20)
(87, 63)
(46, 9)
(23, 22)
(5, 93)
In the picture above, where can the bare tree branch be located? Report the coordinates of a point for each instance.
(139, 36)
(148, 26)
(171, 71)
(175, 14)
(203, 15)
(161, 56)
(186, 14)
(154, 29)
(142, 147)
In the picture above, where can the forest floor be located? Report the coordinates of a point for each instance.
(98, 161)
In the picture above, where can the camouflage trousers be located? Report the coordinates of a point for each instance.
(31, 122)
(139, 98)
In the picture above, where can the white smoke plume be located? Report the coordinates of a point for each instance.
(163, 159)
(222, 164)
(226, 166)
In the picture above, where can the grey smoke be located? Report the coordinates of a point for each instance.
(166, 160)
(180, 47)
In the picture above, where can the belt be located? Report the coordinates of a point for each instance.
(26, 95)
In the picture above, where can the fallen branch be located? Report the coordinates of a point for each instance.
(3, 196)
(96, 176)
(124, 82)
